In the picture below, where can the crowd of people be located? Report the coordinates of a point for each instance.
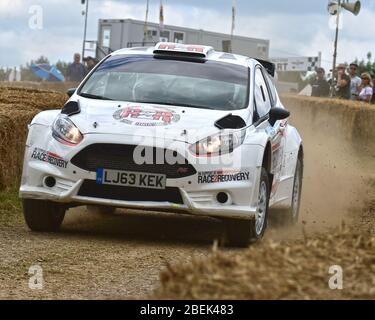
(346, 84)
(77, 71)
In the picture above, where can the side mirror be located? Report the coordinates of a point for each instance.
(71, 91)
(278, 114)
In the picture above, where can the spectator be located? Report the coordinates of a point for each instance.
(320, 86)
(373, 93)
(76, 71)
(355, 81)
(342, 83)
(365, 89)
(90, 63)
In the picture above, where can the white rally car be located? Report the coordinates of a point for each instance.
(171, 127)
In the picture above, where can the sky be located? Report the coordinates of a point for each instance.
(294, 27)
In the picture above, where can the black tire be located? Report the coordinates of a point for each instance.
(289, 217)
(43, 216)
(240, 233)
(100, 209)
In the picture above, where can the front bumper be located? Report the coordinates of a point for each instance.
(193, 203)
(197, 198)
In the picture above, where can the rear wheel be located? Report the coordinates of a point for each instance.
(241, 233)
(289, 217)
(292, 214)
(43, 216)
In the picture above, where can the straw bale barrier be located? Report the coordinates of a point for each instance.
(17, 108)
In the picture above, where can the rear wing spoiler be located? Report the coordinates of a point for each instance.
(269, 66)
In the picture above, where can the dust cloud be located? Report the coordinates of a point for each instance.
(335, 175)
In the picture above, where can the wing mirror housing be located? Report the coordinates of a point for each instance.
(71, 91)
(278, 114)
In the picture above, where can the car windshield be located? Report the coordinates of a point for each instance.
(146, 79)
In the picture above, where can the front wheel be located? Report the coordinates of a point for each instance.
(241, 233)
(43, 216)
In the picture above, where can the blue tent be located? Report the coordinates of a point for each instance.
(47, 72)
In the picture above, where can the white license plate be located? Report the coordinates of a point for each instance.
(131, 179)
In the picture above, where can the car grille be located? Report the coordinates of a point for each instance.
(91, 189)
(120, 157)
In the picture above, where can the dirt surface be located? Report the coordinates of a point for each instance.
(99, 256)
(96, 257)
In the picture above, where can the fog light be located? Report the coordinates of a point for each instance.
(222, 197)
(49, 182)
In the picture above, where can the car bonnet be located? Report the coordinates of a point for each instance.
(148, 120)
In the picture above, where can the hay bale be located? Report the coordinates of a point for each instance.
(278, 270)
(18, 106)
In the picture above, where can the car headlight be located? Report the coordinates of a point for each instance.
(217, 145)
(65, 131)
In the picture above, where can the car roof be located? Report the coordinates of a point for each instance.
(205, 52)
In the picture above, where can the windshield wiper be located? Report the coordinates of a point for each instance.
(93, 96)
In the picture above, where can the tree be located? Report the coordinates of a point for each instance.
(62, 66)
(3, 74)
(28, 75)
(366, 66)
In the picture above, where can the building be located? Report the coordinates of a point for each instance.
(116, 34)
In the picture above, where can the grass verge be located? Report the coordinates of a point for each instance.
(10, 208)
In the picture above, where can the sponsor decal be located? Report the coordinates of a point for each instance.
(146, 117)
(181, 47)
(49, 157)
(222, 176)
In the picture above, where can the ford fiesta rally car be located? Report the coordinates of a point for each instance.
(171, 127)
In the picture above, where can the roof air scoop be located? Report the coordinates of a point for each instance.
(182, 50)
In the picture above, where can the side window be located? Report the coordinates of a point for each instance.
(261, 95)
(178, 37)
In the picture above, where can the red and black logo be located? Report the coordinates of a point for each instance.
(146, 117)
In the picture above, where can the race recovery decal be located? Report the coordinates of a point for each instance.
(146, 117)
(49, 157)
(222, 176)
